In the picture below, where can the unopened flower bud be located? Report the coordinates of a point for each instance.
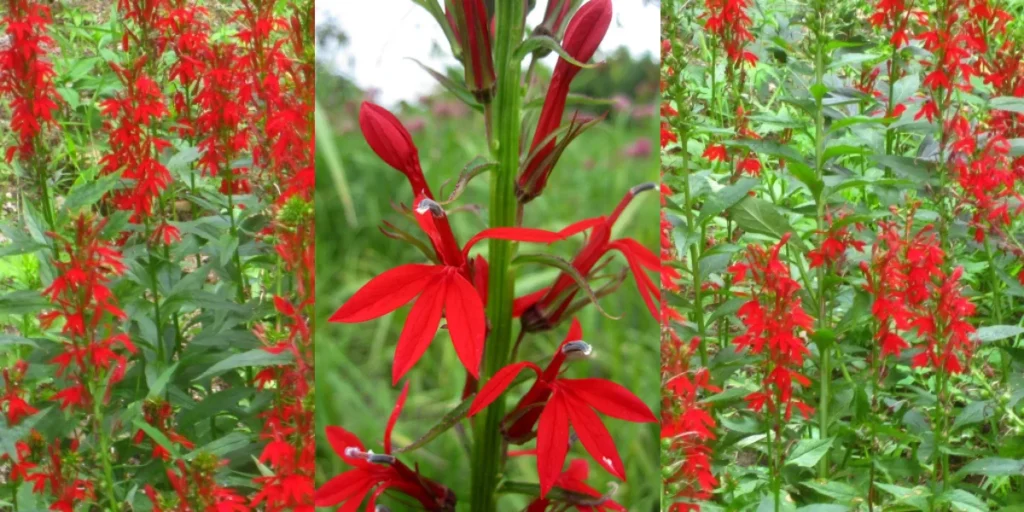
(469, 22)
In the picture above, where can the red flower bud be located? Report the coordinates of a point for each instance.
(585, 32)
(469, 21)
(393, 144)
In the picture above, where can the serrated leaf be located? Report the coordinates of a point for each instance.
(808, 452)
(253, 358)
(726, 198)
(975, 412)
(905, 87)
(22, 302)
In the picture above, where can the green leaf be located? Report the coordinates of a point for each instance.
(905, 87)
(994, 466)
(917, 497)
(1016, 147)
(453, 87)
(23, 302)
(253, 358)
(824, 507)
(991, 333)
(157, 437)
(156, 388)
(726, 198)
(838, 491)
(963, 501)
(808, 452)
(11, 340)
(975, 412)
(1008, 103)
(541, 42)
(222, 446)
(87, 193)
(756, 215)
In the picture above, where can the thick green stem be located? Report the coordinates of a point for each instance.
(113, 505)
(487, 446)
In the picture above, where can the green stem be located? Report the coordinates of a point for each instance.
(152, 270)
(104, 453)
(240, 278)
(487, 447)
(825, 394)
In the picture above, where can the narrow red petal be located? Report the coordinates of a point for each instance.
(340, 439)
(649, 291)
(385, 293)
(552, 442)
(611, 399)
(594, 435)
(350, 486)
(467, 322)
(520, 305)
(420, 328)
(498, 384)
(645, 256)
(532, 235)
(394, 417)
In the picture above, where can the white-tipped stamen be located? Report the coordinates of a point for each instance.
(429, 205)
(643, 187)
(578, 349)
(369, 456)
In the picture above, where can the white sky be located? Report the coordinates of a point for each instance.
(383, 34)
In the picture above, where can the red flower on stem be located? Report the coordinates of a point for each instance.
(469, 22)
(444, 289)
(547, 307)
(378, 473)
(17, 407)
(554, 403)
(574, 480)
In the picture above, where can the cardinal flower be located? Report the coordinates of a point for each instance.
(377, 473)
(554, 404)
(545, 308)
(445, 289)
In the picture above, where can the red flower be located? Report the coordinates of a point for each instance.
(554, 403)
(446, 288)
(377, 473)
(582, 37)
(547, 307)
(715, 153)
(26, 76)
(17, 407)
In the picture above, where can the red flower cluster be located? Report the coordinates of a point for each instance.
(838, 239)
(13, 395)
(688, 426)
(25, 74)
(90, 313)
(224, 112)
(775, 322)
(196, 490)
(728, 20)
(912, 292)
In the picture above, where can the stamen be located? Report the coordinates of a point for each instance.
(578, 349)
(381, 508)
(643, 187)
(369, 456)
(432, 206)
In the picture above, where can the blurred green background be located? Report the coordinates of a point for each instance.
(354, 361)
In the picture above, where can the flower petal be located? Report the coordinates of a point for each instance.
(340, 439)
(385, 293)
(552, 442)
(467, 322)
(420, 328)
(394, 417)
(649, 291)
(498, 384)
(350, 486)
(610, 398)
(594, 435)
